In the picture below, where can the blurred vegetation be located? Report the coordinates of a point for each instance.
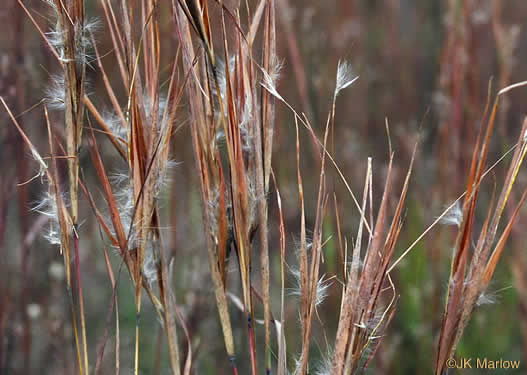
(424, 66)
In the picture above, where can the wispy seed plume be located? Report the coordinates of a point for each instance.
(453, 216)
(345, 76)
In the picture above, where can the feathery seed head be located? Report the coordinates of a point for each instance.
(322, 286)
(486, 299)
(247, 117)
(163, 176)
(51, 3)
(115, 125)
(83, 43)
(124, 196)
(269, 83)
(322, 290)
(151, 262)
(47, 206)
(325, 364)
(345, 76)
(298, 364)
(213, 211)
(275, 69)
(270, 78)
(309, 243)
(43, 167)
(56, 93)
(454, 215)
(221, 67)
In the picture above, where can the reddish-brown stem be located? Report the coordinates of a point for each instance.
(252, 344)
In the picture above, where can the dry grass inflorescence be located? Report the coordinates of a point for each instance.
(199, 80)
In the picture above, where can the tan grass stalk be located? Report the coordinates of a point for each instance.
(470, 275)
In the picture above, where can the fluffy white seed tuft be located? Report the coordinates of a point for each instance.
(83, 42)
(269, 81)
(454, 215)
(56, 93)
(221, 67)
(345, 76)
(490, 298)
(322, 287)
(114, 123)
(325, 364)
(47, 206)
(150, 265)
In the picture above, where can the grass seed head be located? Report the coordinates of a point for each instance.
(56, 93)
(324, 365)
(114, 123)
(454, 216)
(345, 76)
(47, 206)
(151, 262)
